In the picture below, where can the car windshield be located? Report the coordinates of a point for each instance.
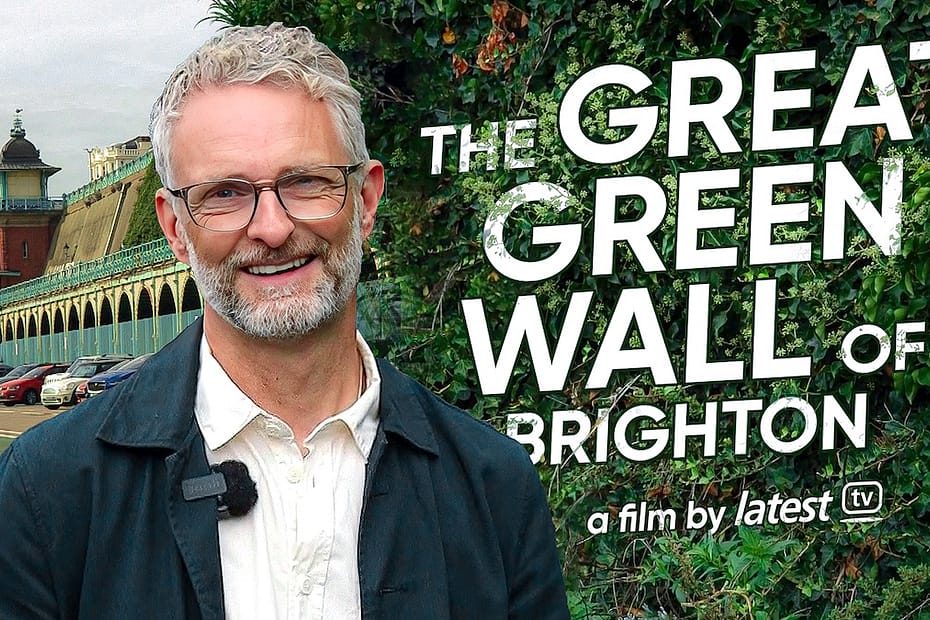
(119, 366)
(35, 372)
(134, 363)
(85, 369)
(17, 372)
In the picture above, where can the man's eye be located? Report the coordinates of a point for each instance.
(227, 191)
(308, 182)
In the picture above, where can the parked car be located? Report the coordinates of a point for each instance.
(59, 389)
(117, 374)
(4, 368)
(80, 392)
(20, 370)
(26, 389)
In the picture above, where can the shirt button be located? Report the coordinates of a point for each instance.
(306, 586)
(294, 474)
(275, 429)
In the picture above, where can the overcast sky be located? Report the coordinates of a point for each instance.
(86, 72)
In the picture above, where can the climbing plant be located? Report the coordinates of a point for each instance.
(143, 223)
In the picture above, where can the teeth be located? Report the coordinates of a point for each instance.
(266, 270)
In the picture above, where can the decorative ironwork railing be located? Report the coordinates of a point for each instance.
(77, 274)
(108, 179)
(32, 204)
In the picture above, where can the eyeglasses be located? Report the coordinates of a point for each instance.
(225, 205)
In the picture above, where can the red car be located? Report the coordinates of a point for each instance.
(26, 389)
(80, 392)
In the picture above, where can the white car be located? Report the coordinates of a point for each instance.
(59, 389)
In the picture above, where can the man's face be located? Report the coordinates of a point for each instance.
(277, 278)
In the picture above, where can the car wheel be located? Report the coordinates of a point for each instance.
(73, 400)
(52, 406)
(30, 397)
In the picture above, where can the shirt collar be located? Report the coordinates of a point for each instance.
(362, 416)
(223, 410)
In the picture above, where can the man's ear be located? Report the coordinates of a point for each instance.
(168, 220)
(372, 190)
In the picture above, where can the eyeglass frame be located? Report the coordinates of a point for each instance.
(258, 188)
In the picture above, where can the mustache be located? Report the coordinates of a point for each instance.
(289, 251)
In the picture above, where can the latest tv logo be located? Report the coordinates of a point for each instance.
(862, 501)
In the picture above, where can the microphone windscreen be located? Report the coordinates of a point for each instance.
(241, 493)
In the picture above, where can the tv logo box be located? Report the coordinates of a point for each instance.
(862, 500)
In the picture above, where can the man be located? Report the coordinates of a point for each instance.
(375, 498)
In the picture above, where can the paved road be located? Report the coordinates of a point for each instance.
(14, 420)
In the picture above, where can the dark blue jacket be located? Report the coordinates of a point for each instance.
(93, 525)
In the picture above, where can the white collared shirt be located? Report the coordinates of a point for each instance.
(295, 554)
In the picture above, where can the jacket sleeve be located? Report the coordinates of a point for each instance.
(537, 587)
(26, 589)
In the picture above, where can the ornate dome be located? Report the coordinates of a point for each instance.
(18, 148)
(21, 154)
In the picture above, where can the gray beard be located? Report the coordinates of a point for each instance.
(283, 313)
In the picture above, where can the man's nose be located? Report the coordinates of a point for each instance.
(271, 223)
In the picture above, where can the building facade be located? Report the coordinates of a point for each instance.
(102, 160)
(27, 214)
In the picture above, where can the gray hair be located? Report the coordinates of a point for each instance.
(276, 55)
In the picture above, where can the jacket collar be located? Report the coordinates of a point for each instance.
(402, 409)
(156, 407)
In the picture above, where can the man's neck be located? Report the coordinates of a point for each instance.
(302, 381)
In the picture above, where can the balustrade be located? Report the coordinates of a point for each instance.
(108, 179)
(31, 204)
(77, 274)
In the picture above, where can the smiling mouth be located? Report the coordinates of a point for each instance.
(268, 270)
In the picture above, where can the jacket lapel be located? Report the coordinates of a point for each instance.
(399, 576)
(194, 527)
(156, 411)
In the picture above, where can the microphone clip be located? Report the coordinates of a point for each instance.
(231, 485)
